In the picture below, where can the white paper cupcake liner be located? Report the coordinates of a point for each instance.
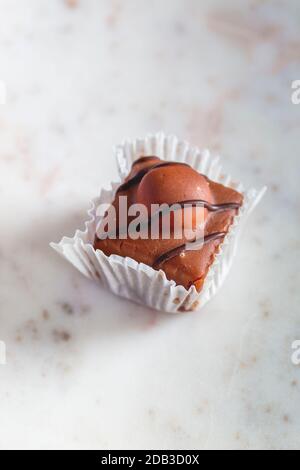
(139, 282)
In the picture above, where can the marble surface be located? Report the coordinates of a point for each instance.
(86, 369)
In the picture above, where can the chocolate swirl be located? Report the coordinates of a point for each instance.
(185, 247)
(199, 203)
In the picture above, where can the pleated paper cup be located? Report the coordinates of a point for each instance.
(137, 281)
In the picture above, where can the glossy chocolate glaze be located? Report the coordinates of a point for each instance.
(153, 181)
(200, 203)
(191, 203)
(140, 175)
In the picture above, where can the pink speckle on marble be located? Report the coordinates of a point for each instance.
(71, 3)
(287, 54)
(245, 31)
(48, 180)
(113, 17)
(204, 126)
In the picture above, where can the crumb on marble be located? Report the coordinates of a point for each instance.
(294, 383)
(151, 412)
(274, 188)
(32, 328)
(61, 335)
(266, 314)
(265, 308)
(67, 308)
(45, 314)
(85, 309)
(176, 427)
(180, 28)
(268, 409)
(201, 409)
(286, 419)
(28, 330)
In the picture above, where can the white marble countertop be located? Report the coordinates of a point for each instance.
(86, 369)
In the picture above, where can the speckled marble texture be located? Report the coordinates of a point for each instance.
(86, 369)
